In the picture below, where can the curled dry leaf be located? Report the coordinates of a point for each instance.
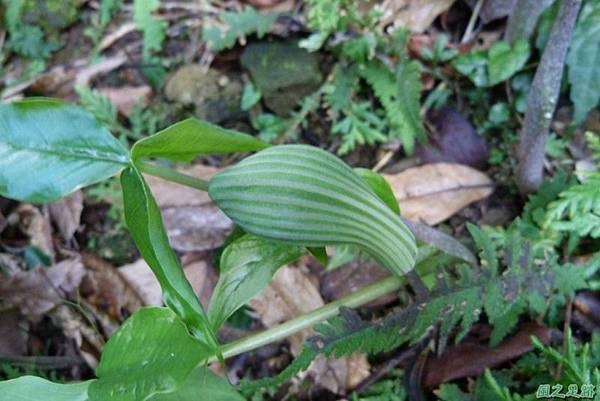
(193, 222)
(37, 291)
(434, 192)
(105, 288)
(290, 294)
(66, 214)
(35, 225)
(471, 358)
(416, 15)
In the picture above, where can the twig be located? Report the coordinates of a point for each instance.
(543, 98)
(471, 25)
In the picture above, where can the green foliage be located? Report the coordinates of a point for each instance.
(153, 29)
(100, 106)
(145, 226)
(399, 94)
(31, 388)
(107, 9)
(237, 25)
(494, 65)
(189, 138)
(202, 381)
(65, 146)
(319, 201)
(247, 266)
(25, 39)
(151, 353)
(510, 282)
(583, 61)
(577, 209)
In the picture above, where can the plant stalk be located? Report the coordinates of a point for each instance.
(172, 175)
(284, 330)
(542, 99)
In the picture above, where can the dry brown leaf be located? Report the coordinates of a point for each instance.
(125, 98)
(35, 225)
(203, 278)
(471, 358)
(290, 294)
(416, 15)
(66, 214)
(434, 192)
(37, 291)
(105, 288)
(143, 281)
(192, 221)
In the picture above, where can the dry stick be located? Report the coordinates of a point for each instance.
(543, 98)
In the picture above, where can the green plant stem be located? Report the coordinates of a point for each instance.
(284, 330)
(172, 175)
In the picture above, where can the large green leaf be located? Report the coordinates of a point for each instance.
(584, 62)
(202, 384)
(32, 388)
(49, 149)
(151, 353)
(302, 195)
(192, 137)
(145, 225)
(247, 266)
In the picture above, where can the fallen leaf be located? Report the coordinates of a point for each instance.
(454, 140)
(125, 98)
(290, 294)
(279, 6)
(66, 214)
(471, 358)
(143, 281)
(416, 15)
(203, 278)
(35, 225)
(105, 288)
(192, 221)
(77, 328)
(434, 192)
(37, 291)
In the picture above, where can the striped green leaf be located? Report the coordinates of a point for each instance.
(302, 195)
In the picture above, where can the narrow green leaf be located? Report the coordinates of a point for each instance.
(151, 353)
(32, 388)
(584, 62)
(247, 266)
(305, 196)
(505, 61)
(380, 186)
(145, 225)
(49, 149)
(192, 137)
(202, 381)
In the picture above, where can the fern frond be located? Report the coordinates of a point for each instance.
(400, 95)
(237, 25)
(578, 209)
(153, 29)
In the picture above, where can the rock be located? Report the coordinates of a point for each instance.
(216, 96)
(283, 72)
